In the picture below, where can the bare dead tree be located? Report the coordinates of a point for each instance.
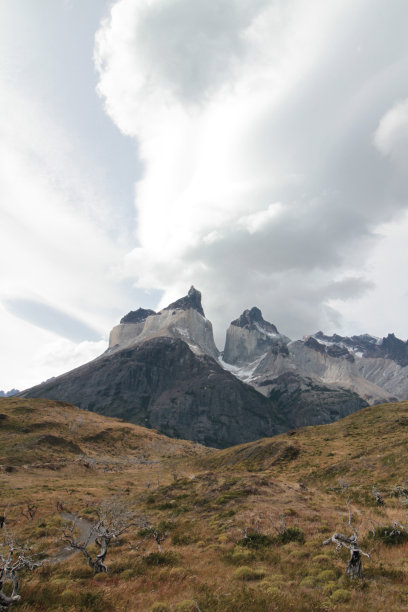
(113, 519)
(30, 512)
(14, 557)
(157, 533)
(354, 566)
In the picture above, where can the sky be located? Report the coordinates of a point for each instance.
(256, 149)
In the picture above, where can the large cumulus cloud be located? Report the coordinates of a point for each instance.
(269, 132)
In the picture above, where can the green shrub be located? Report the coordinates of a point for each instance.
(274, 592)
(247, 573)
(161, 558)
(327, 575)
(308, 581)
(179, 573)
(256, 540)
(239, 555)
(290, 534)
(188, 605)
(390, 535)
(182, 539)
(340, 596)
(159, 606)
(92, 601)
(68, 596)
(127, 574)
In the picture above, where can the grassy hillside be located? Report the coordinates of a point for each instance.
(244, 525)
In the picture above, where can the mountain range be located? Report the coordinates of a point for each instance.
(163, 370)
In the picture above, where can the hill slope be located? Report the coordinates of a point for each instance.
(287, 494)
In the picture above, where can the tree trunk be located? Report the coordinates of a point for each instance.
(99, 565)
(6, 601)
(354, 566)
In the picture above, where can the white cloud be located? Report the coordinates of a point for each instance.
(61, 222)
(391, 136)
(55, 242)
(272, 102)
(32, 355)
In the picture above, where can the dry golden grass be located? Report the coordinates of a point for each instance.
(206, 499)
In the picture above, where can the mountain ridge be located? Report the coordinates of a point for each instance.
(162, 369)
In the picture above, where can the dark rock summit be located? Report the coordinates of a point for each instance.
(191, 300)
(333, 350)
(253, 319)
(395, 349)
(137, 316)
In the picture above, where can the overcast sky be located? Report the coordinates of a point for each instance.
(257, 149)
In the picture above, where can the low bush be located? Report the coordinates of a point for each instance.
(188, 605)
(256, 540)
(161, 558)
(340, 596)
(326, 575)
(390, 535)
(89, 600)
(182, 539)
(290, 534)
(247, 573)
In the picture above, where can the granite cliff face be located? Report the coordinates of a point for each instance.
(250, 337)
(259, 355)
(182, 319)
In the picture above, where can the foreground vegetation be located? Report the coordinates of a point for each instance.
(216, 531)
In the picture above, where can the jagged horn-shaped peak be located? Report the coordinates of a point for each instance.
(137, 316)
(253, 318)
(191, 300)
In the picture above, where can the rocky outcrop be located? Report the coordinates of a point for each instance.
(162, 384)
(137, 316)
(249, 337)
(191, 300)
(183, 319)
(306, 402)
(369, 346)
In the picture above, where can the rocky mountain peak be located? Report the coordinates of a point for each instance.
(368, 346)
(395, 349)
(191, 300)
(253, 319)
(137, 316)
(312, 343)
